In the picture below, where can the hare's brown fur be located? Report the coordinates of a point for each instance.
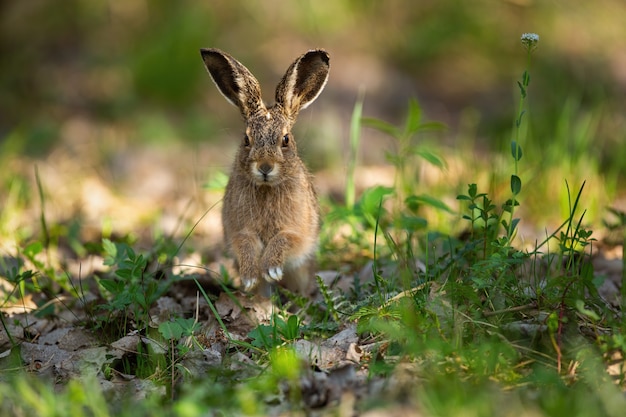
(270, 213)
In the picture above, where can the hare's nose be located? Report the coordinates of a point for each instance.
(265, 168)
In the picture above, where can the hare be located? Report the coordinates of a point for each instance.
(270, 213)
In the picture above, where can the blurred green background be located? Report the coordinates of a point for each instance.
(105, 78)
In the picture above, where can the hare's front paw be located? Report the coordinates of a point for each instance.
(272, 265)
(274, 273)
(249, 283)
(249, 277)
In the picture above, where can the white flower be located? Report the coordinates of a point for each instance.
(529, 40)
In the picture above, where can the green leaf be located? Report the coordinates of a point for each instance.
(472, 190)
(291, 329)
(412, 223)
(125, 274)
(510, 203)
(511, 230)
(263, 337)
(516, 184)
(33, 249)
(521, 89)
(46, 310)
(580, 306)
(393, 158)
(189, 325)
(413, 118)
(415, 200)
(516, 150)
(518, 122)
(171, 330)
(109, 248)
(432, 126)
(371, 198)
(430, 156)
(381, 126)
(130, 253)
(112, 286)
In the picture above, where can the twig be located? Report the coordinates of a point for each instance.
(509, 310)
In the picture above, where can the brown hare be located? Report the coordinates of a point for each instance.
(270, 213)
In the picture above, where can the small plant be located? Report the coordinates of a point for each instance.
(369, 211)
(279, 331)
(484, 220)
(529, 41)
(177, 328)
(407, 147)
(132, 289)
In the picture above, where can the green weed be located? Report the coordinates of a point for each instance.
(276, 333)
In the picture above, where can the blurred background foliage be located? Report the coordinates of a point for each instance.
(116, 75)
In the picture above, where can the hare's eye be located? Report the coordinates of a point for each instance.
(246, 141)
(285, 140)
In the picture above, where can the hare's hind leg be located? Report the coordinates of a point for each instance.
(299, 277)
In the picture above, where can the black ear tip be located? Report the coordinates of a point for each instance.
(210, 51)
(205, 53)
(317, 57)
(325, 56)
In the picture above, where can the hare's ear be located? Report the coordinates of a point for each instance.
(303, 82)
(235, 82)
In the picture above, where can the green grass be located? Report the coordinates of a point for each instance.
(450, 322)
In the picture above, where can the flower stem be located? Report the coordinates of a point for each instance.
(529, 41)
